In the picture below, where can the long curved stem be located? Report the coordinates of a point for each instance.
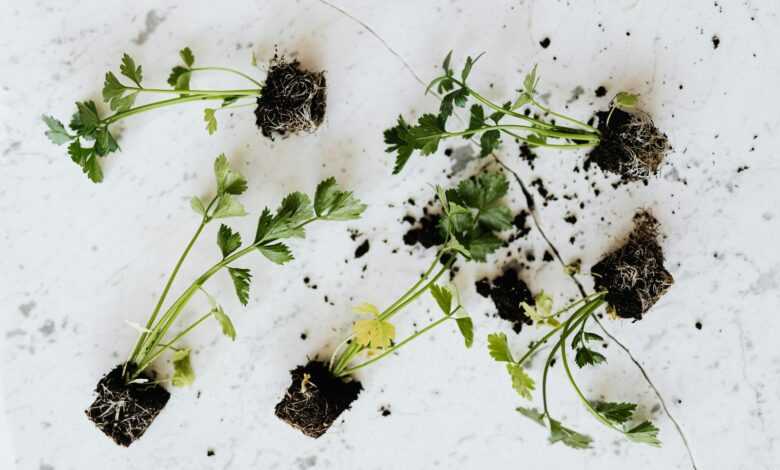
(229, 70)
(160, 104)
(173, 91)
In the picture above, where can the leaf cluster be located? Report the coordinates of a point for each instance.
(473, 214)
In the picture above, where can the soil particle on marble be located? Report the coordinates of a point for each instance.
(506, 292)
(570, 219)
(362, 249)
(601, 92)
(545, 43)
(425, 231)
(125, 411)
(316, 398)
(715, 41)
(634, 275)
(527, 154)
(698, 325)
(630, 146)
(292, 99)
(520, 223)
(210, 453)
(384, 410)
(543, 191)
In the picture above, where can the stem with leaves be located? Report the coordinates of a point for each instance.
(404, 139)
(289, 221)
(89, 136)
(615, 415)
(473, 214)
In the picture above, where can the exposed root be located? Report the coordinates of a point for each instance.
(634, 275)
(316, 398)
(124, 412)
(292, 100)
(631, 146)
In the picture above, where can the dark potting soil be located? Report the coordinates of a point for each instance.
(506, 292)
(362, 249)
(124, 412)
(315, 398)
(631, 146)
(292, 100)
(424, 231)
(634, 275)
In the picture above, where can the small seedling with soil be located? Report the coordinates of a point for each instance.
(629, 281)
(625, 135)
(129, 397)
(472, 215)
(290, 100)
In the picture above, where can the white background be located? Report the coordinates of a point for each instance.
(78, 259)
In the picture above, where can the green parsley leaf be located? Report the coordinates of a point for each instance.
(241, 280)
(626, 100)
(467, 68)
(211, 120)
(295, 209)
(57, 133)
(530, 82)
(227, 240)
(130, 70)
(426, 134)
(187, 56)
(228, 206)
(488, 142)
(183, 375)
(277, 253)
(104, 142)
(571, 438)
(197, 205)
(532, 413)
(85, 157)
(86, 119)
(443, 297)
(466, 327)
(476, 120)
(498, 348)
(446, 64)
(521, 382)
(496, 218)
(372, 333)
(224, 321)
(112, 88)
(228, 180)
(482, 245)
(586, 356)
(482, 191)
(399, 140)
(644, 433)
(331, 203)
(179, 78)
(617, 413)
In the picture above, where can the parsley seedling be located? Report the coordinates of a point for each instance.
(89, 136)
(488, 125)
(473, 214)
(295, 212)
(616, 416)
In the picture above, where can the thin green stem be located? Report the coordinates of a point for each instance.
(163, 347)
(569, 374)
(226, 69)
(173, 91)
(534, 130)
(395, 347)
(564, 117)
(159, 104)
(551, 146)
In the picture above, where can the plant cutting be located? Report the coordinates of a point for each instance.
(290, 100)
(628, 281)
(625, 135)
(472, 215)
(129, 397)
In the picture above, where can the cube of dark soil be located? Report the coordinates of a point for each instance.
(630, 146)
(124, 411)
(506, 292)
(316, 398)
(292, 99)
(634, 275)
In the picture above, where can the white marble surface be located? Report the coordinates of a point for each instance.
(79, 259)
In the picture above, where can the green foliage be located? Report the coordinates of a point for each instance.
(626, 100)
(644, 433)
(89, 137)
(373, 333)
(521, 381)
(498, 348)
(466, 328)
(617, 413)
(443, 297)
(474, 212)
(227, 240)
(183, 375)
(404, 138)
(332, 203)
(241, 279)
(588, 357)
(531, 413)
(571, 438)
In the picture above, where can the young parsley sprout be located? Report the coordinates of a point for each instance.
(615, 415)
(291, 100)
(404, 139)
(129, 383)
(473, 213)
(626, 142)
